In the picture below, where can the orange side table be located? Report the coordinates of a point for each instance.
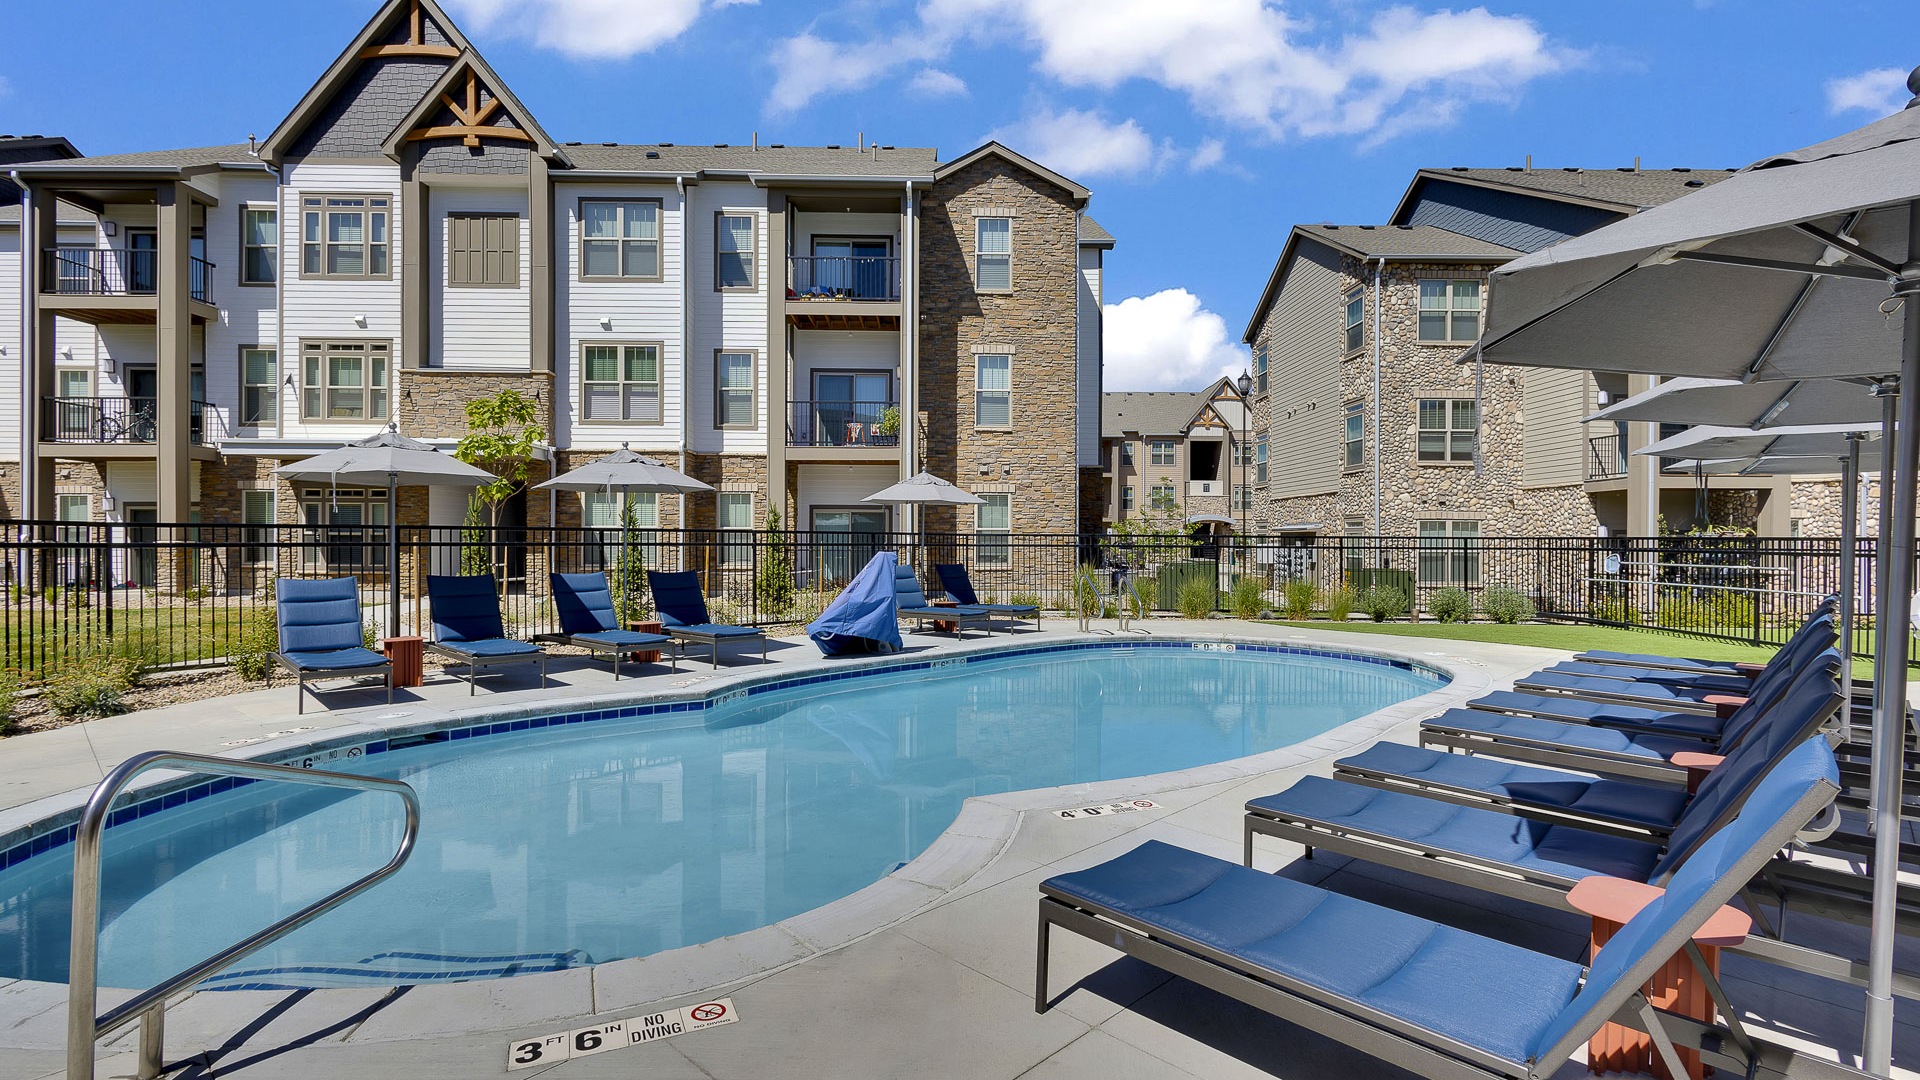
(407, 655)
(1675, 987)
(648, 656)
(944, 626)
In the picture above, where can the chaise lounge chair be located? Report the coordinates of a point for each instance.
(910, 603)
(953, 578)
(320, 634)
(1437, 1001)
(584, 603)
(467, 627)
(1696, 666)
(683, 613)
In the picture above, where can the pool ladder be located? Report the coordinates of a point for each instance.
(149, 1006)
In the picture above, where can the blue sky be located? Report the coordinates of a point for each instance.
(1206, 128)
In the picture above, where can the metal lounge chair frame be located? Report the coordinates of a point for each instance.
(586, 601)
(1826, 606)
(682, 606)
(328, 614)
(911, 603)
(466, 611)
(955, 580)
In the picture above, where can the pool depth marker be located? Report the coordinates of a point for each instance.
(632, 1031)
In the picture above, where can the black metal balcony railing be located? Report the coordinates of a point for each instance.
(843, 277)
(114, 420)
(97, 271)
(1606, 458)
(843, 423)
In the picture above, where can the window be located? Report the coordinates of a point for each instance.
(75, 382)
(1356, 439)
(1449, 310)
(259, 245)
(993, 254)
(1161, 452)
(1450, 553)
(257, 508)
(620, 239)
(992, 391)
(1243, 454)
(1260, 370)
(1260, 461)
(344, 236)
(733, 250)
(483, 250)
(993, 531)
(1356, 331)
(1126, 499)
(259, 386)
(343, 380)
(602, 510)
(1447, 428)
(733, 390)
(1163, 496)
(1126, 453)
(622, 382)
(1243, 499)
(734, 515)
(345, 524)
(76, 508)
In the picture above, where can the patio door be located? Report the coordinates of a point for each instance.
(845, 540)
(142, 272)
(856, 269)
(848, 405)
(143, 559)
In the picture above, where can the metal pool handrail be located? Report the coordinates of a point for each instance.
(83, 1027)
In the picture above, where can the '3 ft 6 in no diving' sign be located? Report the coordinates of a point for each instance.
(632, 1031)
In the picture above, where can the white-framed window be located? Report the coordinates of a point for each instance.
(733, 513)
(259, 245)
(1449, 310)
(1126, 498)
(1260, 461)
(993, 254)
(733, 390)
(601, 509)
(257, 508)
(993, 530)
(74, 382)
(1260, 370)
(1450, 552)
(483, 251)
(733, 251)
(1243, 499)
(1356, 526)
(1126, 453)
(344, 380)
(1354, 445)
(1356, 325)
(992, 391)
(344, 524)
(1243, 454)
(1447, 430)
(620, 238)
(1162, 452)
(621, 381)
(1163, 495)
(72, 506)
(345, 236)
(259, 386)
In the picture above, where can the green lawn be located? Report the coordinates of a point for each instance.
(1569, 636)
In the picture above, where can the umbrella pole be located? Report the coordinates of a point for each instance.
(393, 554)
(1849, 543)
(1890, 691)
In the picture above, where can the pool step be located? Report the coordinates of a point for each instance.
(389, 968)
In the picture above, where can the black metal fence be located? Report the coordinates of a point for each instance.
(190, 594)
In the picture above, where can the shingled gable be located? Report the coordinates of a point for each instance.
(993, 149)
(420, 22)
(466, 105)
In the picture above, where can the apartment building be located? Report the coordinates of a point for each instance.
(1178, 457)
(1370, 419)
(797, 326)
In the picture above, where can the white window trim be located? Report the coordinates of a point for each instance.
(1450, 460)
(736, 541)
(978, 390)
(752, 390)
(1003, 547)
(660, 381)
(1012, 247)
(272, 245)
(659, 240)
(1480, 313)
(272, 387)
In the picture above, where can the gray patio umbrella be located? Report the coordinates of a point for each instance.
(625, 472)
(1713, 442)
(924, 489)
(1790, 269)
(388, 460)
(1749, 404)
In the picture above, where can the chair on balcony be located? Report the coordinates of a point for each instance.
(588, 621)
(320, 634)
(467, 627)
(682, 605)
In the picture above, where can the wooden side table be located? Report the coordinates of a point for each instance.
(407, 655)
(646, 656)
(1675, 987)
(944, 626)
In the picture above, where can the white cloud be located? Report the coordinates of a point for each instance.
(1882, 92)
(811, 66)
(592, 29)
(1166, 341)
(932, 82)
(1209, 153)
(1082, 144)
(1249, 63)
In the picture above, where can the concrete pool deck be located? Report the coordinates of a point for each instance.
(927, 973)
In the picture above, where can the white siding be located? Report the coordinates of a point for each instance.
(136, 483)
(733, 320)
(841, 486)
(12, 340)
(646, 311)
(249, 314)
(842, 350)
(1087, 324)
(809, 224)
(475, 329)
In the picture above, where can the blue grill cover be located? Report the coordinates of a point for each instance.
(862, 619)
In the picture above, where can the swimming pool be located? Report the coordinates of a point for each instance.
(562, 841)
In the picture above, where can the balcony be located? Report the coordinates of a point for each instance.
(127, 423)
(1197, 488)
(116, 284)
(843, 424)
(1606, 458)
(843, 292)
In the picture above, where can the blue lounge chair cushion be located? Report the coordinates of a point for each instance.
(1398, 963)
(719, 630)
(683, 606)
(913, 603)
(622, 639)
(1711, 684)
(359, 656)
(465, 608)
(1589, 686)
(584, 603)
(1642, 804)
(953, 578)
(1649, 745)
(492, 647)
(1604, 714)
(1559, 850)
(317, 615)
(1677, 663)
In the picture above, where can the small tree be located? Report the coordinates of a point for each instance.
(775, 587)
(627, 578)
(475, 557)
(501, 435)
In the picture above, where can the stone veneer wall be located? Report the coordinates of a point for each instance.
(433, 401)
(1036, 459)
(1816, 509)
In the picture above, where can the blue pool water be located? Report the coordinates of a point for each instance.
(597, 841)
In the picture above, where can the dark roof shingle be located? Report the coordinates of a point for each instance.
(1407, 241)
(188, 158)
(1624, 187)
(916, 161)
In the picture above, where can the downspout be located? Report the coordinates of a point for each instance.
(1379, 271)
(910, 364)
(280, 314)
(29, 348)
(686, 343)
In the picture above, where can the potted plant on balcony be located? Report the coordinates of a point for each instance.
(889, 426)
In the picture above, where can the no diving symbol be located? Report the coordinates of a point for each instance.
(1143, 804)
(707, 1013)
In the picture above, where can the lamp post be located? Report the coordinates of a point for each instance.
(1245, 385)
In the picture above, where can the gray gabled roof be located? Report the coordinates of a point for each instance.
(66, 214)
(1159, 412)
(994, 149)
(1092, 235)
(917, 162)
(193, 157)
(1623, 190)
(1407, 242)
(18, 148)
(445, 86)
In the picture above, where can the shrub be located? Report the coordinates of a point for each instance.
(1451, 604)
(1503, 604)
(1032, 598)
(370, 635)
(774, 585)
(1613, 609)
(1702, 609)
(1384, 602)
(252, 651)
(1299, 598)
(1148, 589)
(9, 693)
(1341, 602)
(1173, 576)
(1246, 598)
(93, 683)
(1197, 598)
